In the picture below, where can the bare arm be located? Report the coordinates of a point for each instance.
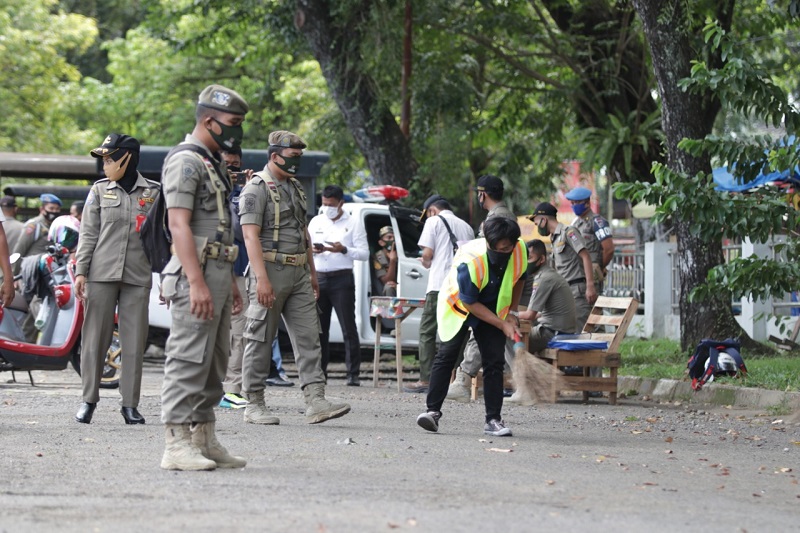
(427, 256)
(591, 292)
(5, 265)
(252, 241)
(608, 251)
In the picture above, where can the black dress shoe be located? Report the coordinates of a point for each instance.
(131, 415)
(85, 412)
(353, 381)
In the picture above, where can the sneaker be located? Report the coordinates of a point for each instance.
(225, 404)
(429, 420)
(278, 381)
(236, 401)
(417, 387)
(496, 428)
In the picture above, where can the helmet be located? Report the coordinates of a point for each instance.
(64, 231)
(726, 364)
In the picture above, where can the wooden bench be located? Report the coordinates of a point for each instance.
(477, 381)
(622, 312)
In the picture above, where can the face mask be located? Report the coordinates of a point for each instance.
(116, 169)
(579, 209)
(543, 230)
(234, 169)
(533, 268)
(498, 259)
(289, 165)
(230, 136)
(331, 211)
(51, 216)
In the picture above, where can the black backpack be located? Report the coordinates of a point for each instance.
(155, 234)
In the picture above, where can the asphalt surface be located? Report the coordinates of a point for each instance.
(637, 466)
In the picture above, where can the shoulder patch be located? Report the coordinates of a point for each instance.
(90, 197)
(247, 203)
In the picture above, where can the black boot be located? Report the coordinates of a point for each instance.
(85, 412)
(131, 415)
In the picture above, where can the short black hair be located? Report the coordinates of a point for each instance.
(495, 229)
(78, 205)
(442, 205)
(535, 246)
(333, 191)
(236, 150)
(202, 112)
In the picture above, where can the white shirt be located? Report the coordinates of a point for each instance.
(436, 237)
(343, 230)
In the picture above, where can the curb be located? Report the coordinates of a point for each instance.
(676, 390)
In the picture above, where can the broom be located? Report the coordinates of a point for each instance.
(533, 377)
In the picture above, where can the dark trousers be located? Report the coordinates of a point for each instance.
(491, 343)
(338, 291)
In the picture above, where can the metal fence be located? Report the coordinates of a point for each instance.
(625, 276)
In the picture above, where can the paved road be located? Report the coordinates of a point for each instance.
(637, 466)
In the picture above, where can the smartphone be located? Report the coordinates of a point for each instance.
(240, 178)
(318, 246)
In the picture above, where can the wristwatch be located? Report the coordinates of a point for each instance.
(344, 249)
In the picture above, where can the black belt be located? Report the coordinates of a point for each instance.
(555, 332)
(576, 281)
(334, 273)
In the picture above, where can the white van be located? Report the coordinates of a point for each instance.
(412, 277)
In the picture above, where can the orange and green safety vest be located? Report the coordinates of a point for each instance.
(450, 310)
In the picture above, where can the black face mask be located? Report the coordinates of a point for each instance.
(498, 259)
(234, 169)
(51, 216)
(533, 268)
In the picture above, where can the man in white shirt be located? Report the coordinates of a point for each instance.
(441, 235)
(337, 242)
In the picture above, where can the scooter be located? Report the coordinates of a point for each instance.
(59, 322)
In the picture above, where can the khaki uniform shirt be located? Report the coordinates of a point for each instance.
(109, 247)
(257, 207)
(186, 185)
(567, 244)
(499, 210)
(552, 298)
(13, 229)
(594, 229)
(33, 238)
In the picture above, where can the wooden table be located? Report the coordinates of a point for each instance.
(398, 309)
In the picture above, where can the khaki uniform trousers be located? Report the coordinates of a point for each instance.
(98, 330)
(197, 350)
(233, 379)
(294, 299)
(582, 306)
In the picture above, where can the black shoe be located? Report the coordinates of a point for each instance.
(85, 412)
(429, 420)
(131, 415)
(508, 393)
(278, 381)
(353, 381)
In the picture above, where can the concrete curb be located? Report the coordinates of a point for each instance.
(676, 390)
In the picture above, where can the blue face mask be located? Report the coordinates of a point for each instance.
(579, 209)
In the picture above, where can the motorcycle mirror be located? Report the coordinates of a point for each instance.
(13, 258)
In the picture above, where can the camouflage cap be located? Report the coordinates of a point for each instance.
(223, 99)
(286, 139)
(386, 230)
(114, 142)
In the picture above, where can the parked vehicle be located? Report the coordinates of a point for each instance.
(59, 321)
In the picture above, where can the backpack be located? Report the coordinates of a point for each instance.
(155, 234)
(712, 357)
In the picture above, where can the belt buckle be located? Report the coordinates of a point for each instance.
(289, 259)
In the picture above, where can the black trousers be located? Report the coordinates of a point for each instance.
(491, 343)
(338, 291)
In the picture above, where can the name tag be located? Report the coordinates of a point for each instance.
(110, 196)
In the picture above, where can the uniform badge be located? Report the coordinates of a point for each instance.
(90, 198)
(221, 98)
(110, 196)
(146, 193)
(249, 203)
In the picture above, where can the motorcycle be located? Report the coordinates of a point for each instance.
(59, 323)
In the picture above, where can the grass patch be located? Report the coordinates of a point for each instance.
(662, 358)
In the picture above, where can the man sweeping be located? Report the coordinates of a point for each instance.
(481, 293)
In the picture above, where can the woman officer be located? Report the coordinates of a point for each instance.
(112, 272)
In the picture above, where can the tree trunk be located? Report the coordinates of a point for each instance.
(335, 44)
(670, 31)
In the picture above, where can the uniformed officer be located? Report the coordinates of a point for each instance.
(384, 261)
(572, 259)
(33, 240)
(111, 258)
(199, 284)
(11, 225)
(596, 232)
(272, 211)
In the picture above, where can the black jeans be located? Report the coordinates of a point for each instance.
(491, 343)
(338, 291)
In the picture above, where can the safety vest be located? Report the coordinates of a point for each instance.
(450, 310)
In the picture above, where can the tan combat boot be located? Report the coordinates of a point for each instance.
(180, 453)
(459, 389)
(256, 411)
(318, 408)
(204, 437)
